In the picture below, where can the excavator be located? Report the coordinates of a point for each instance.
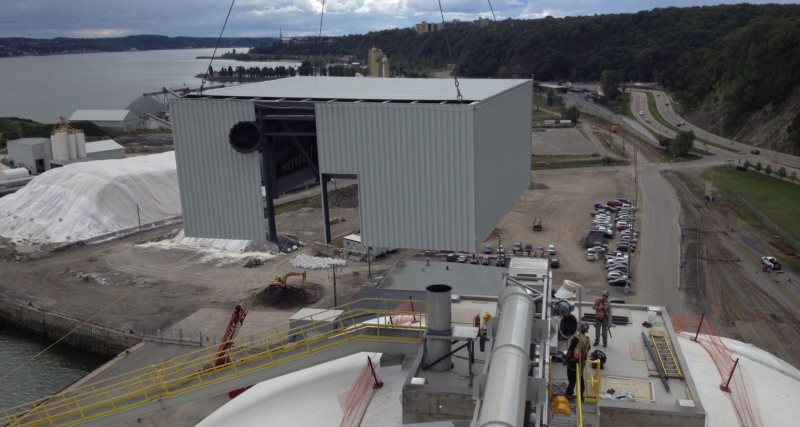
(280, 281)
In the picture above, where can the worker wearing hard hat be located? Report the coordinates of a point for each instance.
(602, 318)
(577, 353)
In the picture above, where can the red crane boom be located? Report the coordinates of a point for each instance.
(237, 318)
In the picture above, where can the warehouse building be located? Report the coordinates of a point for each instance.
(104, 150)
(36, 154)
(434, 171)
(124, 120)
(33, 154)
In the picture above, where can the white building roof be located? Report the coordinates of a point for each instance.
(28, 141)
(99, 115)
(373, 89)
(353, 237)
(104, 145)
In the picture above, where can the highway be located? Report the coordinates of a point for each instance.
(743, 151)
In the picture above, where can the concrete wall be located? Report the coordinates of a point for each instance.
(91, 338)
(622, 415)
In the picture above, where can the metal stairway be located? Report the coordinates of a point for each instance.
(254, 358)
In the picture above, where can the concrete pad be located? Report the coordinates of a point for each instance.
(561, 142)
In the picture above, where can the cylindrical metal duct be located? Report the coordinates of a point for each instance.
(438, 327)
(506, 385)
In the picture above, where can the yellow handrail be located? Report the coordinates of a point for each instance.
(196, 369)
(593, 395)
(579, 392)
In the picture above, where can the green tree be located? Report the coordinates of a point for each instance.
(781, 172)
(758, 166)
(747, 164)
(570, 113)
(768, 170)
(682, 143)
(610, 81)
(793, 176)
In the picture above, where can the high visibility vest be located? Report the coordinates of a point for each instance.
(600, 313)
(581, 348)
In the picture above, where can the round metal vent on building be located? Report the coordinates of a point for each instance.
(245, 137)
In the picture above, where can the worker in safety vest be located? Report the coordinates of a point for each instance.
(602, 318)
(577, 353)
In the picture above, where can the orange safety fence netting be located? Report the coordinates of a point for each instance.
(408, 313)
(355, 401)
(746, 408)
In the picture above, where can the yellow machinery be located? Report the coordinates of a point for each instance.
(280, 281)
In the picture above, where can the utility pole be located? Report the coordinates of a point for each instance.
(139, 217)
(335, 301)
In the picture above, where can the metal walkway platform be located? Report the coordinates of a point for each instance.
(254, 358)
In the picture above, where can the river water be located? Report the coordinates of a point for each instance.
(45, 375)
(42, 88)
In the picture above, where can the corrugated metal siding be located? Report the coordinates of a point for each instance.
(502, 156)
(414, 164)
(220, 188)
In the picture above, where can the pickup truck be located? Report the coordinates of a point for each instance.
(771, 262)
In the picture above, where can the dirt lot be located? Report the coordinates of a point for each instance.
(563, 200)
(157, 287)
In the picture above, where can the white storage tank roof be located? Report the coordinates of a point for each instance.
(16, 173)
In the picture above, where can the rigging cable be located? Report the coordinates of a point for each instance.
(450, 53)
(492, 9)
(205, 76)
(319, 39)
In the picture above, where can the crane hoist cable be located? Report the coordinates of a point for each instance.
(205, 76)
(492, 9)
(319, 39)
(459, 97)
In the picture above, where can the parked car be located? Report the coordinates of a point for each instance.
(487, 249)
(771, 262)
(473, 259)
(554, 263)
(591, 256)
(451, 257)
(619, 282)
(614, 203)
(462, 259)
(623, 200)
(528, 248)
(485, 260)
(755, 151)
(551, 249)
(517, 247)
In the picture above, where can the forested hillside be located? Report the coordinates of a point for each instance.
(731, 62)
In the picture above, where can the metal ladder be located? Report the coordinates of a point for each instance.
(665, 354)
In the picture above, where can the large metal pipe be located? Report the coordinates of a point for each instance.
(438, 327)
(506, 383)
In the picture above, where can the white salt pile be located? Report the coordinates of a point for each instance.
(211, 249)
(89, 199)
(314, 262)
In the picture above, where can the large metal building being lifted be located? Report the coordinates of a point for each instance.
(434, 171)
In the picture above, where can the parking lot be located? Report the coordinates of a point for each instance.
(562, 199)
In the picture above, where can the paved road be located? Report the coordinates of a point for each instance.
(664, 106)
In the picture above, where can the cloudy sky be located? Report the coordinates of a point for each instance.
(109, 18)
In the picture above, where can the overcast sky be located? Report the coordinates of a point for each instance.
(110, 18)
